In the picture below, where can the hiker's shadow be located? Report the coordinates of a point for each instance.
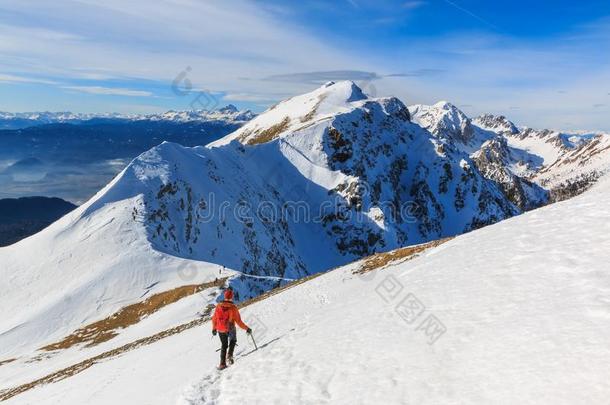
(262, 346)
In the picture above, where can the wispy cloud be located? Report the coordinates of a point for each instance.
(109, 91)
(418, 73)
(7, 78)
(550, 79)
(323, 76)
(354, 75)
(413, 4)
(118, 48)
(252, 97)
(92, 42)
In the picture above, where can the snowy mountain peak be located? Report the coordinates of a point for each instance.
(444, 120)
(369, 179)
(344, 91)
(357, 93)
(300, 112)
(230, 108)
(496, 123)
(315, 182)
(531, 166)
(444, 105)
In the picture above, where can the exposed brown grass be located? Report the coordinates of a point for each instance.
(374, 262)
(312, 113)
(244, 135)
(85, 364)
(396, 256)
(270, 133)
(106, 329)
(3, 362)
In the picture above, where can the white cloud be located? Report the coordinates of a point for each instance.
(413, 4)
(233, 45)
(109, 91)
(554, 81)
(7, 78)
(248, 97)
(221, 41)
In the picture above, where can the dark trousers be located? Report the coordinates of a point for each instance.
(228, 340)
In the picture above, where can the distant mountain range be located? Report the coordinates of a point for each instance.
(230, 113)
(22, 217)
(72, 156)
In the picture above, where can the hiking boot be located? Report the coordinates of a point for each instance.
(230, 360)
(221, 367)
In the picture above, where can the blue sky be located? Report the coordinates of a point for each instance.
(542, 63)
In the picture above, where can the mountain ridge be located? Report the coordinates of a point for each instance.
(229, 113)
(369, 179)
(318, 181)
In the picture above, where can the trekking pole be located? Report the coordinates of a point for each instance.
(252, 337)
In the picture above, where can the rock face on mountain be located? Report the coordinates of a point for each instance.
(532, 167)
(488, 150)
(499, 124)
(445, 120)
(367, 178)
(314, 182)
(494, 159)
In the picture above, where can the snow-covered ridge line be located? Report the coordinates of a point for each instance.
(562, 164)
(336, 144)
(519, 311)
(227, 113)
(366, 265)
(356, 161)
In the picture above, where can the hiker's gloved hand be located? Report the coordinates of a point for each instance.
(214, 332)
(249, 331)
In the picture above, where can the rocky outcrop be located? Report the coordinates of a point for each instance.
(496, 123)
(493, 161)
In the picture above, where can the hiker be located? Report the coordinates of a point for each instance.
(226, 315)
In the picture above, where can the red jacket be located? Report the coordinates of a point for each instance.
(226, 315)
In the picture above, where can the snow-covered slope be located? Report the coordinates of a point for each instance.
(516, 312)
(349, 176)
(317, 181)
(83, 268)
